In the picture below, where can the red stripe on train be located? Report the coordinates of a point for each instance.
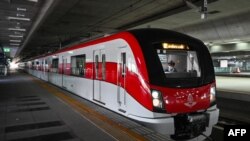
(128, 37)
(134, 84)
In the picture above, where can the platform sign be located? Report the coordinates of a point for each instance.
(223, 63)
(6, 49)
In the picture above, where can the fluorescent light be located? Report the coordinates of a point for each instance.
(16, 36)
(21, 9)
(18, 41)
(13, 44)
(17, 29)
(18, 33)
(18, 18)
(233, 42)
(33, 0)
(20, 15)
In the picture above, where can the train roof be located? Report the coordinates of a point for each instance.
(154, 34)
(143, 35)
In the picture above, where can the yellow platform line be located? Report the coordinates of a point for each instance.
(116, 130)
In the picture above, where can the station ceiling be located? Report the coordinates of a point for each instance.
(33, 27)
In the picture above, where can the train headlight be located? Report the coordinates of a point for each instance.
(212, 93)
(156, 103)
(155, 94)
(157, 99)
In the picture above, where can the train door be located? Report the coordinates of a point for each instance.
(121, 75)
(64, 68)
(47, 69)
(98, 75)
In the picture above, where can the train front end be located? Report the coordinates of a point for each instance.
(182, 83)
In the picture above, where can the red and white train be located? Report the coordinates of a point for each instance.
(132, 73)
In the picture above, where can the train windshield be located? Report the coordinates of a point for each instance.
(179, 63)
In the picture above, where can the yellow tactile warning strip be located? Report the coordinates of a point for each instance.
(115, 130)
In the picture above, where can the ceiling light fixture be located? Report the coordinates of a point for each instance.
(17, 29)
(13, 44)
(18, 18)
(21, 9)
(18, 33)
(33, 0)
(20, 15)
(204, 10)
(16, 36)
(18, 41)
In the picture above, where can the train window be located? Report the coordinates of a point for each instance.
(55, 63)
(179, 63)
(78, 65)
(103, 66)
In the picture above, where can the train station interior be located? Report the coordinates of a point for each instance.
(80, 70)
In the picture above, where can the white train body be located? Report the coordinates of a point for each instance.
(113, 72)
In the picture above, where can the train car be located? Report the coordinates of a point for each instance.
(160, 78)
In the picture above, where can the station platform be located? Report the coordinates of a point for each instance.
(31, 109)
(241, 74)
(233, 98)
(231, 87)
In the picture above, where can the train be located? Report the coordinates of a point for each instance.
(129, 72)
